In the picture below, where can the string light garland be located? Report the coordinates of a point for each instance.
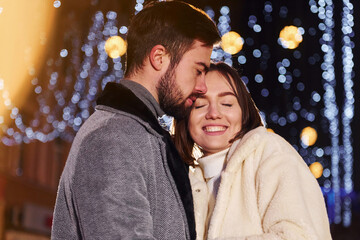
(223, 25)
(339, 206)
(325, 13)
(66, 116)
(348, 108)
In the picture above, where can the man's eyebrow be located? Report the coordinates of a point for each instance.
(206, 67)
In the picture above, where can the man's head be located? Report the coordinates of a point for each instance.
(174, 25)
(185, 36)
(179, 86)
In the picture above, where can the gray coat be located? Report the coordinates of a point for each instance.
(119, 181)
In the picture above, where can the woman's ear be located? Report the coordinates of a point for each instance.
(158, 57)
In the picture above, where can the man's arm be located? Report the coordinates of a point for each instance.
(108, 189)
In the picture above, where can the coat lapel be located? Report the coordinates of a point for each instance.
(240, 152)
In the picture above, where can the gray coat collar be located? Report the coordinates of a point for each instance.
(119, 97)
(144, 95)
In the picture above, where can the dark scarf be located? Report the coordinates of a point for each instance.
(119, 97)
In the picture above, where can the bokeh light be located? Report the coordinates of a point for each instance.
(270, 130)
(294, 99)
(23, 44)
(308, 136)
(316, 169)
(232, 42)
(290, 37)
(115, 46)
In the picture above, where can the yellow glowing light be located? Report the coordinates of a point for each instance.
(232, 42)
(316, 169)
(23, 47)
(270, 130)
(115, 46)
(308, 136)
(290, 37)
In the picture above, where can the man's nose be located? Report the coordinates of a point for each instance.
(200, 86)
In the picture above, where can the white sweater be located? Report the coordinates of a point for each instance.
(266, 192)
(212, 166)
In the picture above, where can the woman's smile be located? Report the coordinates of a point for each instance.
(216, 116)
(211, 129)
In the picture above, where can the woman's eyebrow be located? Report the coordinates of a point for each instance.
(222, 94)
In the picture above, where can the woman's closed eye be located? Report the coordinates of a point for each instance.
(200, 103)
(199, 106)
(227, 104)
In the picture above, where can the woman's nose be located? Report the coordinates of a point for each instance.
(213, 113)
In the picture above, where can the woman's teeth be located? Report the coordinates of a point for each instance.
(215, 128)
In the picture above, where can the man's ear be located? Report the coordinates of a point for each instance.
(158, 57)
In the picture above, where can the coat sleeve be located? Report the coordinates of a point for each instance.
(290, 200)
(106, 195)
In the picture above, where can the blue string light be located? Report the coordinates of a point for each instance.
(348, 108)
(223, 25)
(75, 98)
(341, 207)
(139, 6)
(324, 10)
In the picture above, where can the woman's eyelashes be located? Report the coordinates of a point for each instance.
(199, 106)
(227, 104)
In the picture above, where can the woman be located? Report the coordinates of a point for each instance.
(249, 183)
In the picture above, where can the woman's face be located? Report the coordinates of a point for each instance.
(215, 118)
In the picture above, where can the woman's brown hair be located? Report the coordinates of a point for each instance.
(250, 114)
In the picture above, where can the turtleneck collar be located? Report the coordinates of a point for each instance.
(213, 164)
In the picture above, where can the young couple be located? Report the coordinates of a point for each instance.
(126, 179)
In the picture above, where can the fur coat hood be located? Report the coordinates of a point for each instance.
(266, 192)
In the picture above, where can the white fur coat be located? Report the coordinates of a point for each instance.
(266, 192)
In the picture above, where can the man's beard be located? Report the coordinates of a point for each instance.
(171, 98)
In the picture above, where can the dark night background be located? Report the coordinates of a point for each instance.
(287, 107)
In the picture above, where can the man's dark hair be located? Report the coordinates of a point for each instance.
(174, 25)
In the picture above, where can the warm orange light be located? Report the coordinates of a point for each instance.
(270, 130)
(290, 37)
(115, 46)
(308, 136)
(25, 30)
(316, 169)
(232, 42)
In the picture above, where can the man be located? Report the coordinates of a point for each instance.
(123, 178)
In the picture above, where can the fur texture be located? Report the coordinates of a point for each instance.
(266, 192)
